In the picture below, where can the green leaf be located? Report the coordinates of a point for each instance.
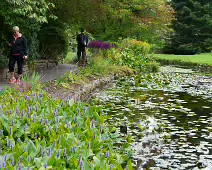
(130, 167)
(32, 149)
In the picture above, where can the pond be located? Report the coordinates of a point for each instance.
(168, 115)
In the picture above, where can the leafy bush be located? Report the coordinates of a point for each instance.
(132, 53)
(53, 43)
(136, 47)
(4, 60)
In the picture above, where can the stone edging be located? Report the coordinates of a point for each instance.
(84, 92)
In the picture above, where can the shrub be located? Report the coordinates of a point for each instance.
(53, 43)
(99, 47)
(132, 53)
(4, 60)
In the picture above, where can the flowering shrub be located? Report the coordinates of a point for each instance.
(136, 47)
(133, 53)
(101, 45)
(100, 48)
(41, 132)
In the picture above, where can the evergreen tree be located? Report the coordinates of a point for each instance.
(193, 27)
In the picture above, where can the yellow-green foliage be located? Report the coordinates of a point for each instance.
(132, 53)
(137, 47)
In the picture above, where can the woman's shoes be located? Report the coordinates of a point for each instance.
(12, 81)
(18, 81)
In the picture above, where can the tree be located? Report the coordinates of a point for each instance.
(193, 27)
(147, 20)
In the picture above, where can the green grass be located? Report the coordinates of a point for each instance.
(202, 59)
(71, 58)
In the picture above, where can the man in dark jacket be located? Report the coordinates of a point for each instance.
(19, 52)
(82, 42)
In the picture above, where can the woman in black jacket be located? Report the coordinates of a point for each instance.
(19, 52)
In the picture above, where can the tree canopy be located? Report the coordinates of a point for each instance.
(193, 27)
(146, 20)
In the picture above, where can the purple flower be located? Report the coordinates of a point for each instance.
(29, 158)
(111, 166)
(108, 154)
(75, 118)
(36, 108)
(93, 124)
(46, 122)
(22, 113)
(12, 161)
(11, 130)
(17, 110)
(65, 154)
(73, 150)
(58, 154)
(25, 127)
(41, 121)
(9, 144)
(56, 129)
(44, 153)
(21, 158)
(46, 166)
(35, 118)
(50, 152)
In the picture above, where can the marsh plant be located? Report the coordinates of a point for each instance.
(31, 82)
(40, 132)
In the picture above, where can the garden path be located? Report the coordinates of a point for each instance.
(48, 74)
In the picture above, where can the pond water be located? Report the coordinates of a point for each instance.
(168, 114)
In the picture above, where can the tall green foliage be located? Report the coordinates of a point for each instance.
(28, 15)
(146, 20)
(193, 27)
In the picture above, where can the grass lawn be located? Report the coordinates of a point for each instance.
(202, 59)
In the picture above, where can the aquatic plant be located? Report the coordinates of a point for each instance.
(41, 132)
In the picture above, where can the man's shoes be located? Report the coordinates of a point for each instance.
(12, 81)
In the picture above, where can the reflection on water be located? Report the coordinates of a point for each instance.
(172, 130)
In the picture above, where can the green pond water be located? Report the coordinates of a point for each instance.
(168, 114)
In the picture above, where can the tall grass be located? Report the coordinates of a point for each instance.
(32, 81)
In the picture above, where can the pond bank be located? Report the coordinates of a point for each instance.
(196, 66)
(82, 91)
